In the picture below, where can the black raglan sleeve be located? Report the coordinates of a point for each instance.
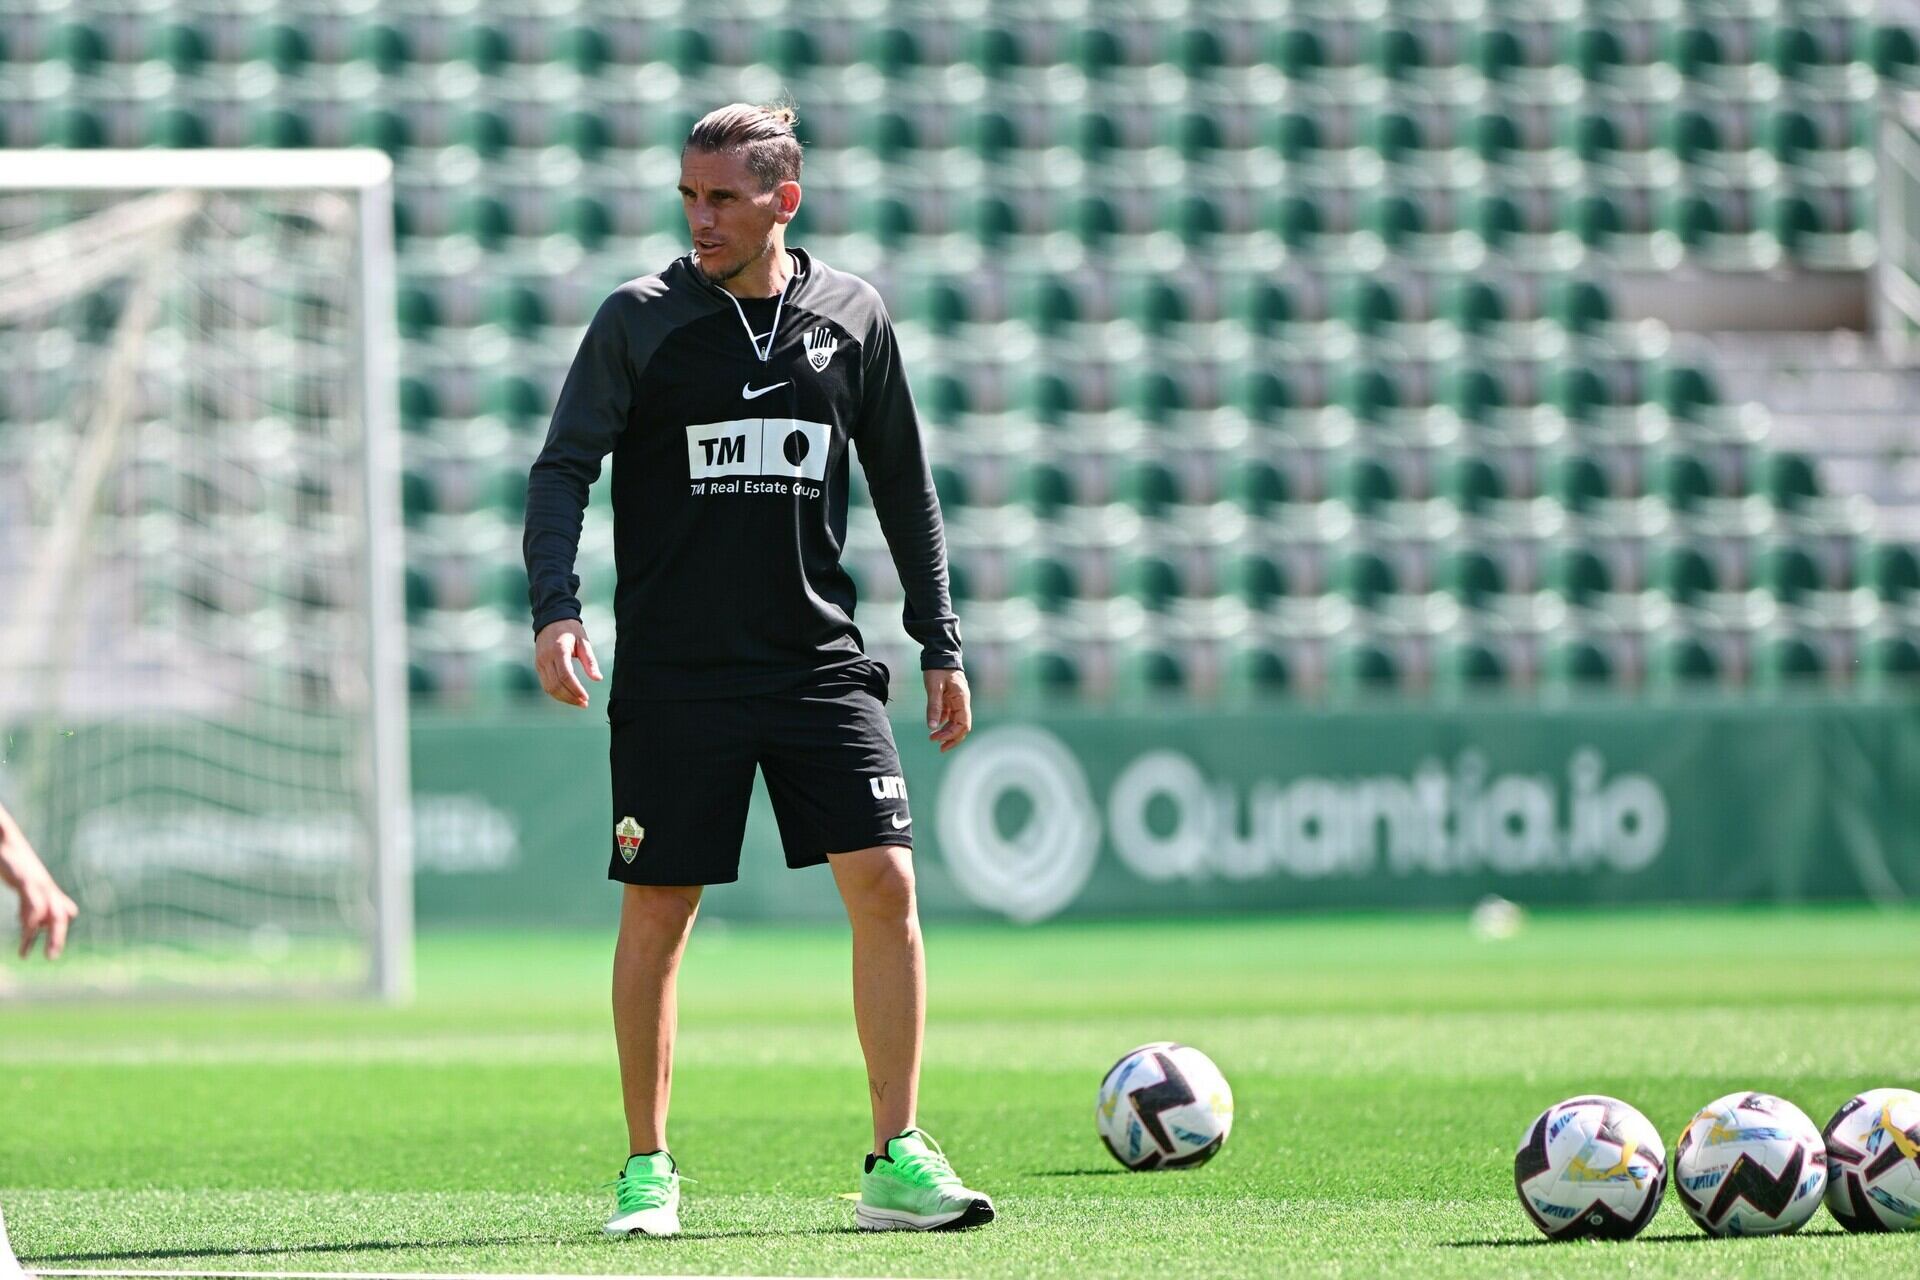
(593, 407)
(894, 456)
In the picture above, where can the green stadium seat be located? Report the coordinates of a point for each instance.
(1046, 582)
(1473, 306)
(1197, 51)
(893, 51)
(941, 305)
(1261, 394)
(1044, 488)
(1362, 577)
(670, 129)
(1593, 217)
(417, 312)
(1254, 579)
(687, 50)
(280, 127)
(1789, 480)
(484, 218)
(887, 218)
(1577, 391)
(1047, 303)
(890, 135)
(1150, 674)
(419, 593)
(1595, 52)
(1148, 486)
(1690, 134)
(1364, 483)
(1470, 483)
(1472, 392)
(1794, 51)
(1091, 219)
(1394, 51)
(1889, 661)
(82, 46)
(1576, 574)
(1466, 667)
(1297, 51)
(1892, 51)
(1693, 51)
(419, 405)
(1572, 663)
(1361, 668)
(1293, 135)
(1578, 306)
(1092, 135)
(1294, 218)
(1789, 133)
(584, 218)
(943, 398)
(1591, 134)
(503, 490)
(1096, 51)
(498, 681)
(1575, 481)
(1194, 135)
(419, 497)
(1689, 216)
(74, 127)
(1368, 392)
(584, 132)
(382, 46)
(1681, 662)
(1495, 217)
(1890, 570)
(1787, 571)
(1254, 485)
(1046, 676)
(1153, 582)
(994, 50)
(517, 307)
(1470, 576)
(181, 45)
(516, 399)
(484, 47)
(1494, 51)
(1261, 306)
(1254, 673)
(950, 485)
(991, 134)
(584, 48)
(1153, 395)
(282, 46)
(991, 219)
(485, 133)
(423, 681)
(1682, 573)
(1790, 218)
(1393, 135)
(1366, 305)
(1786, 663)
(1192, 216)
(381, 128)
(1681, 480)
(1046, 396)
(1684, 390)
(177, 127)
(1154, 303)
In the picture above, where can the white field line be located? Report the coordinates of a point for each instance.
(363, 1275)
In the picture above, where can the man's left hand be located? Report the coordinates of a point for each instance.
(949, 707)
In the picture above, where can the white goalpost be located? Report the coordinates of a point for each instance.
(203, 716)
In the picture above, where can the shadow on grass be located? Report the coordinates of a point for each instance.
(1671, 1237)
(349, 1246)
(1075, 1173)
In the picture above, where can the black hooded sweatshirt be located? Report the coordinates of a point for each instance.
(730, 482)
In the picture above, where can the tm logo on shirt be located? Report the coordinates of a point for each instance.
(722, 455)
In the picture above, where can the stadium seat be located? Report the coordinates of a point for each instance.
(483, 132)
(82, 46)
(1890, 570)
(279, 127)
(1255, 485)
(1681, 480)
(1261, 394)
(996, 51)
(1684, 390)
(1255, 673)
(1256, 580)
(177, 127)
(1096, 51)
(182, 46)
(1470, 576)
(1889, 661)
(1046, 676)
(1682, 573)
(1572, 663)
(587, 220)
(1368, 392)
(1576, 574)
(943, 398)
(1363, 483)
(1148, 486)
(1363, 577)
(1261, 306)
(1360, 668)
(1047, 582)
(1045, 395)
(1153, 395)
(1154, 304)
(1468, 667)
(890, 135)
(1473, 306)
(1787, 572)
(1470, 482)
(1046, 303)
(1472, 391)
(891, 50)
(1150, 674)
(687, 50)
(1681, 662)
(1789, 480)
(282, 46)
(382, 46)
(1575, 481)
(516, 399)
(1787, 663)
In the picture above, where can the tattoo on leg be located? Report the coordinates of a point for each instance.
(880, 1090)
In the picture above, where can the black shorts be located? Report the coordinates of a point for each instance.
(683, 779)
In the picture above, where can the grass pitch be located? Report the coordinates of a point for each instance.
(1383, 1070)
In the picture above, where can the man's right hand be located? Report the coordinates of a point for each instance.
(558, 646)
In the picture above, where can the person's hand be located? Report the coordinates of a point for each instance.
(949, 707)
(558, 646)
(43, 908)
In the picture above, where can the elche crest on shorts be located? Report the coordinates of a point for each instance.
(629, 833)
(821, 344)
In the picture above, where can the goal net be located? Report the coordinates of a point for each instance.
(202, 668)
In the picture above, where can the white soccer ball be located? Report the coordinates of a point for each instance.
(1750, 1164)
(1873, 1161)
(1590, 1168)
(1164, 1106)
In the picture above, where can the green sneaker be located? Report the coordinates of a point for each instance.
(913, 1188)
(648, 1197)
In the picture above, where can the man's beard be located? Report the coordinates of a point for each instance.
(723, 277)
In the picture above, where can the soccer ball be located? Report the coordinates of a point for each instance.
(1750, 1164)
(1590, 1168)
(1164, 1106)
(1873, 1161)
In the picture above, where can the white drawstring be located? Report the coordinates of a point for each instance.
(758, 350)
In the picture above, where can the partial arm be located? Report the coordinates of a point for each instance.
(42, 904)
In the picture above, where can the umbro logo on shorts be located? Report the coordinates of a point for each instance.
(888, 787)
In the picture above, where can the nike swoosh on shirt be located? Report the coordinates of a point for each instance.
(900, 820)
(749, 392)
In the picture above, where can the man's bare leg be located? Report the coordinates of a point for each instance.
(654, 923)
(889, 980)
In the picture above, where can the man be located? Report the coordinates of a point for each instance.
(43, 909)
(728, 388)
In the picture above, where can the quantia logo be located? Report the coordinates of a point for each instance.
(1443, 820)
